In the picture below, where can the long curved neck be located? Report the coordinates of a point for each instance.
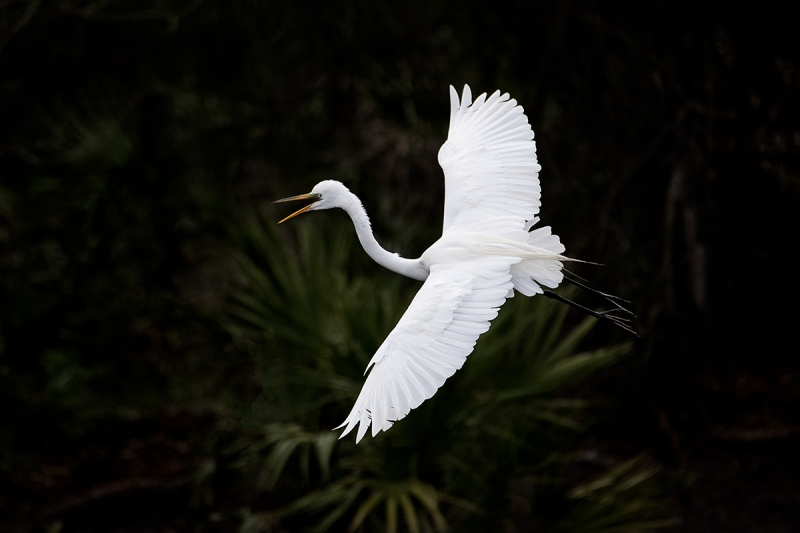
(407, 267)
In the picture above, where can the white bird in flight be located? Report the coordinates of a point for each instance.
(486, 252)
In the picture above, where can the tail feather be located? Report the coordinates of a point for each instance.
(530, 274)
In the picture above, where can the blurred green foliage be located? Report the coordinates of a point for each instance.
(500, 418)
(169, 360)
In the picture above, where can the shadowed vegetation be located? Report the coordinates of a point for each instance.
(500, 419)
(170, 360)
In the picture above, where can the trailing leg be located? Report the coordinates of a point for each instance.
(608, 315)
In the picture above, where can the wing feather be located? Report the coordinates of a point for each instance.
(490, 165)
(431, 341)
(491, 187)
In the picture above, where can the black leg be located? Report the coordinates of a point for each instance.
(610, 298)
(619, 321)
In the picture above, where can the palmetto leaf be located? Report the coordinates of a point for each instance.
(613, 503)
(282, 441)
(312, 330)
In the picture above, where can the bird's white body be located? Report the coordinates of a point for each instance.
(486, 252)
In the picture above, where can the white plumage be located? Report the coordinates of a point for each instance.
(492, 197)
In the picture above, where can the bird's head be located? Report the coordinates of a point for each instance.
(325, 195)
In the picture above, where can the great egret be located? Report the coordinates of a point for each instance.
(486, 252)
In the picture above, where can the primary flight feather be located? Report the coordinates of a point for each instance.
(487, 250)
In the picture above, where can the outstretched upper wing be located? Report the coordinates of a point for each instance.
(490, 167)
(431, 341)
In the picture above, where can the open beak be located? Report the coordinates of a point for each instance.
(311, 196)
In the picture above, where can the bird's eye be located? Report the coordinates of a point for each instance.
(317, 196)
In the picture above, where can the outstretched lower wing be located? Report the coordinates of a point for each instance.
(431, 341)
(490, 166)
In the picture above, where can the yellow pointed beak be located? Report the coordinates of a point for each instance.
(311, 196)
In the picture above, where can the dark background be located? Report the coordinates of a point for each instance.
(132, 133)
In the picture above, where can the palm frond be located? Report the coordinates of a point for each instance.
(312, 328)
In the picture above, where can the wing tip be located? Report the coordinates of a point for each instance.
(466, 97)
